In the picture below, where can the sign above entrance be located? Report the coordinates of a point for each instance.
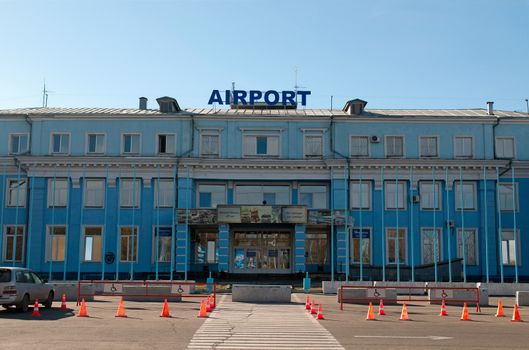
(253, 97)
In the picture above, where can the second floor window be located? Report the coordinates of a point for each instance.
(361, 195)
(313, 146)
(313, 196)
(467, 199)
(94, 193)
(129, 193)
(209, 196)
(394, 146)
(430, 195)
(395, 194)
(272, 195)
(96, 143)
(506, 193)
(428, 146)
(60, 143)
(131, 144)
(166, 144)
(262, 146)
(164, 193)
(16, 193)
(505, 147)
(18, 143)
(57, 192)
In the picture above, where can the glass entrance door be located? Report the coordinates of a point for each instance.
(262, 252)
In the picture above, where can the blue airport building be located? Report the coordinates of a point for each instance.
(254, 189)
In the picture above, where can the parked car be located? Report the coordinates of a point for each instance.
(20, 287)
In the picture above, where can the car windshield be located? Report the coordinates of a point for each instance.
(5, 275)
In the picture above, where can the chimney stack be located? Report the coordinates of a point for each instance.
(143, 103)
(490, 108)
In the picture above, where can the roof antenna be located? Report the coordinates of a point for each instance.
(45, 93)
(296, 86)
(527, 104)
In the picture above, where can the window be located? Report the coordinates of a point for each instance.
(428, 146)
(92, 243)
(468, 202)
(57, 192)
(18, 143)
(209, 145)
(391, 246)
(164, 193)
(94, 193)
(166, 144)
(14, 251)
(359, 146)
(509, 245)
(395, 195)
(431, 245)
(463, 147)
(316, 247)
(314, 197)
(471, 248)
(361, 195)
(16, 193)
(430, 195)
(96, 143)
(209, 196)
(131, 144)
(506, 196)
(262, 146)
(60, 143)
(128, 244)
(313, 146)
(394, 146)
(206, 247)
(163, 236)
(56, 247)
(366, 245)
(273, 195)
(129, 193)
(505, 147)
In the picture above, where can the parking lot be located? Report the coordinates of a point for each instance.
(144, 329)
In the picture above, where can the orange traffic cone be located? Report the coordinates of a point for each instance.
(464, 314)
(202, 312)
(370, 313)
(121, 309)
(313, 308)
(320, 313)
(307, 303)
(381, 308)
(499, 312)
(82, 312)
(212, 301)
(63, 303)
(36, 308)
(165, 310)
(404, 313)
(443, 309)
(208, 305)
(516, 314)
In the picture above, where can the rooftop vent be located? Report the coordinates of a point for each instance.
(143, 103)
(490, 108)
(355, 107)
(168, 105)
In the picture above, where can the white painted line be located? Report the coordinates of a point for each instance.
(432, 337)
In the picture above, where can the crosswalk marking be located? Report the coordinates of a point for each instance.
(259, 326)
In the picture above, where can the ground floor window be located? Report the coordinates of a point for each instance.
(510, 249)
(14, 239)
(396, 246)
(470, 245)
(262, 250)
(431, 245)
(163, 239)
(128, 243)
(206, 247)
(92, 243)
(56, 243)
(316, 247)
(363, 249)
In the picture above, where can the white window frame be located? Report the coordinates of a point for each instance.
(264, 133)
(351, 255)
(457, 197)
(4, 250)
(368, 138)
(370, 196)
(138, 188)
(439, 197)
(386, 147)
(156, 189)
(421, 137)
(84, 243)
(22, 197)
(517, 244)
(498, 138)
(386, 241)
(85, 189)
(404, 198)
(471, 146)
(87, 143)
(476, 239)
(154, 258)
(439, 243)
(312, 156)
(123, 143)
(210, 184)
(235, 199)
(314, 184)
(50, 192)
(210, 132)
(48, 253)
(516, 197)
(9, 140)
(52, 134)
(158, 143)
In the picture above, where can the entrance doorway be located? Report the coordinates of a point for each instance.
(262, 251)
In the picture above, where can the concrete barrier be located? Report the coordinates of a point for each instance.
(364, 293)
(522, 298)
(418, 287)
(331, 287)
(435, 296)
(69, 288)
(503, 289)
(261, 293)
(154, 293)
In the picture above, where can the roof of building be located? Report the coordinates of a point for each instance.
(373, 113)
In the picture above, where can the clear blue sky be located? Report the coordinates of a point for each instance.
(394, 54)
